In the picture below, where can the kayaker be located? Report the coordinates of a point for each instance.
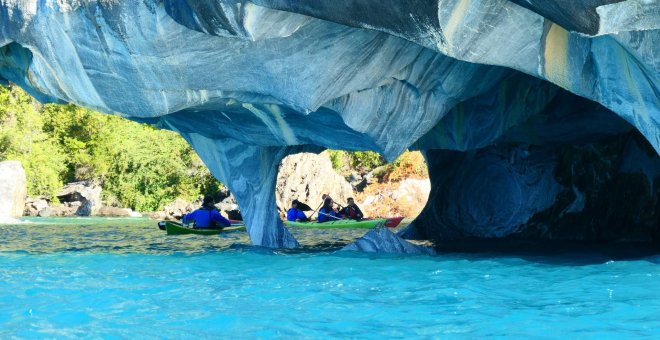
(207, 216)
(294, 214)
(327, 212)
(352, 211)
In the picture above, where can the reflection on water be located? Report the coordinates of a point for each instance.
(141, 235)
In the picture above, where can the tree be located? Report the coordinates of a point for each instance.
(137, 165)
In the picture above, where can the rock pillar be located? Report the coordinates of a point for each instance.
(13, 189)
(250, 173)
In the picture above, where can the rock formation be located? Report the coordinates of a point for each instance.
(84, 197)
(117, 212)
(404, 198)
(13, 189)
(382, 240)
(306, 177)
(512, 99)
(176, 209)
(39, 206)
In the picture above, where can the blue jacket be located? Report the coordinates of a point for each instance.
(203, 217)
(324, 215)
(295, 214)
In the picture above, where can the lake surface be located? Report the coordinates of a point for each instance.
(102, 277)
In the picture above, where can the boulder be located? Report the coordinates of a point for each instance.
(156, 215)
(45, 212)
(87, 193)
(227, 204)
(64, 210)
(360, 181)
(404, 198)
(117, 212)
(230, 207)
(177, 209)
(13, 188)
(381, 240)
(306, 177)
(34, 206)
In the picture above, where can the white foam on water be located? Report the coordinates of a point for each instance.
(10, 220)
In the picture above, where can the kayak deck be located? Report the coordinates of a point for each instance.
(174, 228)
(348, 224)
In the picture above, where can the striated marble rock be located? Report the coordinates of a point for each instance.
(602, 191)
(382, 240)
(13, 189)
(494, 88)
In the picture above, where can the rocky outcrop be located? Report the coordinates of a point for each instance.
(39, 206)
(105, 211)
(404, 198)
(381, 240)
(230, 207)
(306, 177)
(488, 89)
(64, 210)
(176, 209)
(84, 196)
(13, 189)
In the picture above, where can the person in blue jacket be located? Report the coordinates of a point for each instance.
(328, 213)
(294, 214)
(207, 216)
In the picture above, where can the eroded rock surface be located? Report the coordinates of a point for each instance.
(37, 207)
(84, 196)
(490, 89)
(382, 240)
(306, 177)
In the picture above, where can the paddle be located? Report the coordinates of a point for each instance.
(319, 206)
(323, 197)
(235, 223)
(330, 216)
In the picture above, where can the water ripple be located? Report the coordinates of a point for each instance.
(108, 278)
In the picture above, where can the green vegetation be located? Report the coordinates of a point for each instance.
(138, 166)
(408, 165)
(362, 160)
(22, 138)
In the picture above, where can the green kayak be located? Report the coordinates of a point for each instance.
(174, 228)
(348, 224)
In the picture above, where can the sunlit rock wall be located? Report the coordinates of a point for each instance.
(247, 83)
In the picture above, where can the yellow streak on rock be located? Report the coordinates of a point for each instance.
(640, 111)
(455, 19)
(278, 127)
(288, 134)
(556, 56)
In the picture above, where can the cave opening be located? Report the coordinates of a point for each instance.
(381, 189)
(572, 172)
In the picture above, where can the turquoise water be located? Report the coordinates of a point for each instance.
(124, 278)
